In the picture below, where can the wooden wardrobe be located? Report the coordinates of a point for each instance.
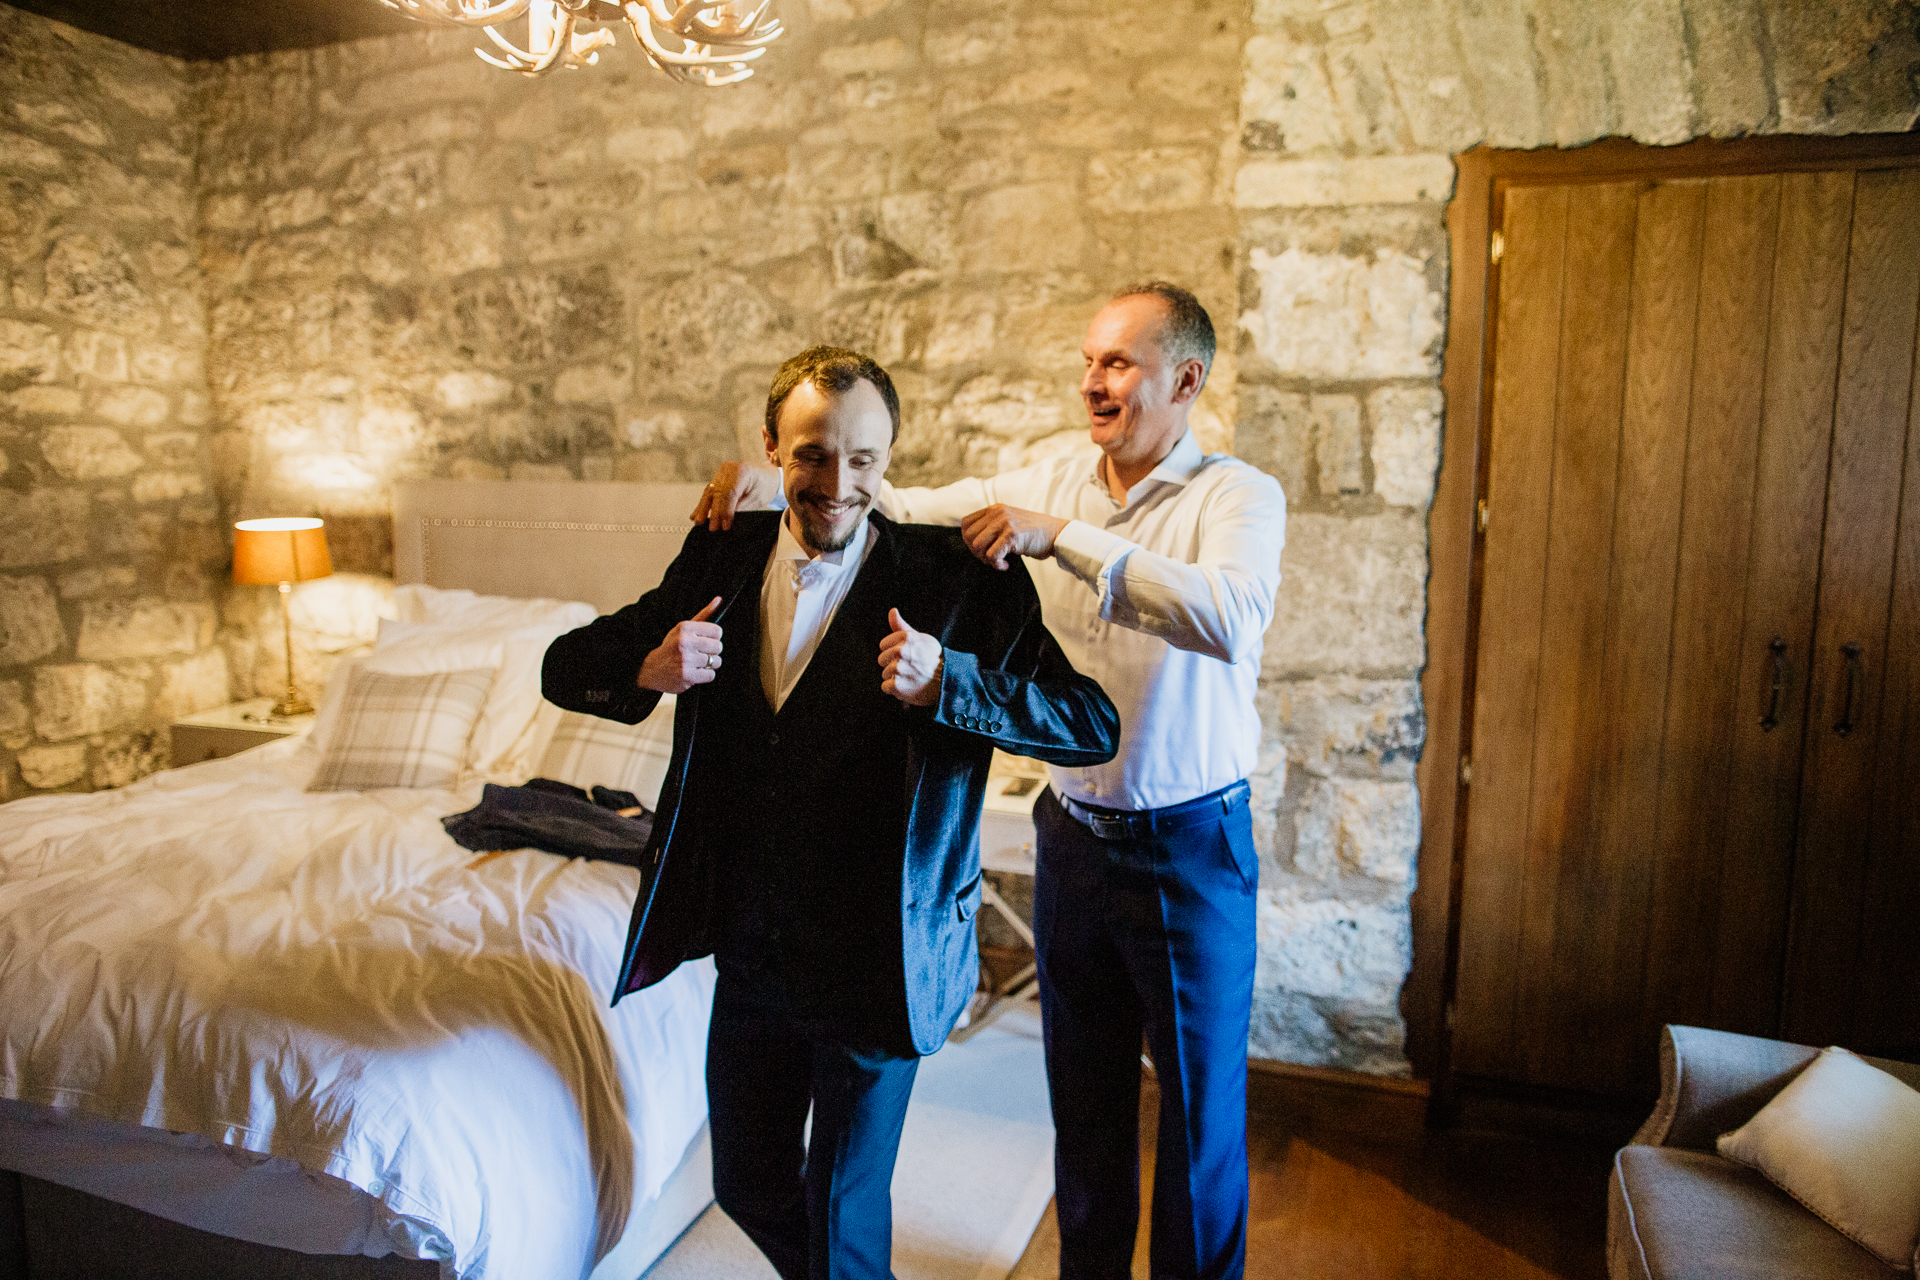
(1683, 721)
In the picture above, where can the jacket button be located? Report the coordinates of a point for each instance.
(773, 739)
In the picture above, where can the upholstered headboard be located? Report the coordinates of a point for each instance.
(605, 543)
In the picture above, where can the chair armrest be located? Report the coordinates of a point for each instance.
(1713, 1081)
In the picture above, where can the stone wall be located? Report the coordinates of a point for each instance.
(416, 265)
(1349, 112)
(110, 542)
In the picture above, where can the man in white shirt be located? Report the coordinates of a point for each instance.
(1156, 567)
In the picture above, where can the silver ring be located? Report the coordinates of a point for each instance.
(711, 664)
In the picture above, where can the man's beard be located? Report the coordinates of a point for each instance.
(815, 530)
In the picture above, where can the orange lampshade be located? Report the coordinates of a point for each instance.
(292, 549)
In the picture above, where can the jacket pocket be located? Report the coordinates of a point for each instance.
(967, 901)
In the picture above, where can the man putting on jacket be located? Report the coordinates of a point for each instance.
(843, 680)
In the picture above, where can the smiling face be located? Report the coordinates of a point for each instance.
(1137, 398)
(832, 452)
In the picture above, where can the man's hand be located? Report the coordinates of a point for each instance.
(910, 663)
(996, 532)
(735, 486)
(690, 655)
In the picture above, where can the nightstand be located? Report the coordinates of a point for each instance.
(235, 727)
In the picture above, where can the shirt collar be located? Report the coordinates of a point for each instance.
(789, 547)
(1181, 464)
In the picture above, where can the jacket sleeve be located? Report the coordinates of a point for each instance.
(596, 668)
(1029, 700)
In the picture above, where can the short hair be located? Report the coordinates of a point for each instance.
(834, 370)
(1188, 332)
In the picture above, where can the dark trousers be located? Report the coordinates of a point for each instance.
(820, 1208)
(1148, 934)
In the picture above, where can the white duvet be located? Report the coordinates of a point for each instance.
(321, 978)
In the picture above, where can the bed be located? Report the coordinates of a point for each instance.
(309, 1020)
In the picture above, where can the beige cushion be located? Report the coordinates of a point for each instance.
(1844, 1140)
(401, 730)
(588, 751)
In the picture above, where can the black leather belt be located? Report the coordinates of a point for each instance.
(1141, 824)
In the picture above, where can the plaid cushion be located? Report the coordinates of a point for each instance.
(401, 730)
(587, 751)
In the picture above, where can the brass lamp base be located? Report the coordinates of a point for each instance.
(291, 703)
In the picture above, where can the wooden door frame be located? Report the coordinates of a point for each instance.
(1453, 590)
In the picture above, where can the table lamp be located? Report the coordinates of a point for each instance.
(282, 551)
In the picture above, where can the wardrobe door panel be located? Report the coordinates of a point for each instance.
(1887, 1017)
(1850, 653)
(1783, 569)
(1717, 518)
(1520, 471)
(1560, 996)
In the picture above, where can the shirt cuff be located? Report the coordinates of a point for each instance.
(1094, 556)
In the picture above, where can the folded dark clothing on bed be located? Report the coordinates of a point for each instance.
(562, 819)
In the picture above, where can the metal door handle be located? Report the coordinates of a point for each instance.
(1852, 652)
(1771, 720)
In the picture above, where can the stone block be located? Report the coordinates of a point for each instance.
(1356, 825)
(846, 10)
(1285, 97)
(1332, 948)
(648, 144)
(470, 389)
(1345, 724)
(1656, 103)
(657, 428)
(147, 627)
(921, 223)
(132, 407)
(129, 757)
(530, 319)
(1006, 410)
(1406, 443)
(46, 768)
(16, 723)
(474, 469)
(172, 448)
(1352, 596)
(95, 281)
(1331, 316)
(72, 700)
(886, 54)
(1036, 227)
(1275, 433)
(1729, 66)
(192, 685)
(30, 626)
(45, 526)
(28, 351)
(1337, 444)
(97, 580)
(46, 402)
(1153, 181)
(100, 355)
(1844, 67)
(1569, 39)
(1270, 184)
(18, 151)
(165, 486)
(697, 328)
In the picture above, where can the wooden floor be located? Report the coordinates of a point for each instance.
(1329, 1205)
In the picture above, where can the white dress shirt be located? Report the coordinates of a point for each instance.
(798, 597)
(1163, 599)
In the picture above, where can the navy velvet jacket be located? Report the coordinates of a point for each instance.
(1004, 683)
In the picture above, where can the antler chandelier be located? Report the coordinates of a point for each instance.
(713, 40)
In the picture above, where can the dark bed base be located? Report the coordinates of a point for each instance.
(50, 1232)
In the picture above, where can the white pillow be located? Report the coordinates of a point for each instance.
(402, 730)
(515, 721)
(1844, 1140)
(589, 752)
(417, 602)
